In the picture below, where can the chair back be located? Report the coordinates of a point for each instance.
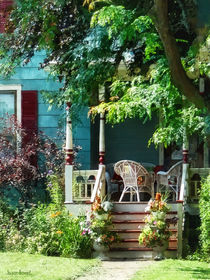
(130, 171)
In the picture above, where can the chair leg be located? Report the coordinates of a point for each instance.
(121, 197)
(138, 196)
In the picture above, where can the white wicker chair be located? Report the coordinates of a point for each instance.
(135, 178)
(171, 179)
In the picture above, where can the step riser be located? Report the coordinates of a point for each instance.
(140, 217)
(147, 255)
(129, 235)
(135, 226)
(137, 207)
(137, 245)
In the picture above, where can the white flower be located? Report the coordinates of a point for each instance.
(107, 206)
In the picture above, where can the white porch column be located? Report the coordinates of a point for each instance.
(102, 139)
(184, 189)
(69, 157)
(102, 128)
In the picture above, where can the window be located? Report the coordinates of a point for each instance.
(10, 101)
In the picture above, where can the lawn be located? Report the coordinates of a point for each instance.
(174, 269)
(15, 266)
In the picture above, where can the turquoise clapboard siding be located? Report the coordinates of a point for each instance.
(81, 136)
(129, 140)
(31, 78)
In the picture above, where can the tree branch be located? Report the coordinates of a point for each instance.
(180, 79)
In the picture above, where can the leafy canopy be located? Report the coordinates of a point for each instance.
(85, 49)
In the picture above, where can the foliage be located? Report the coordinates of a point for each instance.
(33, 267)
(204, 204)
(47, 229)
(156, 230)
(5, 216)
(99, 222)
(24, 165)
(86, 49)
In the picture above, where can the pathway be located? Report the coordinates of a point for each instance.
(116, 270)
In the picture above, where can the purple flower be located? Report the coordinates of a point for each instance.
(50, 172)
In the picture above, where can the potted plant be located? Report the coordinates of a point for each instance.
(98, 226)
(155, 233)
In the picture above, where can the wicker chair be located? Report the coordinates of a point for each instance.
(135, 178)
(171, 180)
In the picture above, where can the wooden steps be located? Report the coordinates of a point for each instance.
(128, 223)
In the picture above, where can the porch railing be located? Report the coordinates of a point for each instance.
(99, 187)
(83, 184)
(88, 183)
(195, 177)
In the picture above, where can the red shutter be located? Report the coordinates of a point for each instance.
(5, 6)
(29, 117)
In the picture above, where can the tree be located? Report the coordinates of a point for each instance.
(88, 48)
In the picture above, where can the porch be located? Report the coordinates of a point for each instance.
(82, 186)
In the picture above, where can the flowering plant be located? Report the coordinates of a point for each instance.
(156, 231)
(99, 222)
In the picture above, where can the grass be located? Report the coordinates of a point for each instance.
(15, 266)
(174, 269)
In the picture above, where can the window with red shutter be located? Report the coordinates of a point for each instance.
(5, 7)
(29, 111)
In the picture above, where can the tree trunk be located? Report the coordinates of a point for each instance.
(180, 79)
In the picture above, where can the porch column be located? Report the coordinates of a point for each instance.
(102, 139)
(102, 128)
(184, 191)
(69, 157)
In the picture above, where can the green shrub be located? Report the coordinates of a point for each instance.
(6, 214)
(48, 229)
(204, 204)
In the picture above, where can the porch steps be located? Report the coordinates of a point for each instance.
(128, 222)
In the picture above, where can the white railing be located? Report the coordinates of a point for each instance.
(195, 176)
(99, 187)
(83, 184)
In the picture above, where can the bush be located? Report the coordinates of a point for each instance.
(204, 204)
(48, 229)
(5, 215)
(24, 166)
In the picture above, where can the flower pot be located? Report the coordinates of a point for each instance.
(159, 250)
(100, 251)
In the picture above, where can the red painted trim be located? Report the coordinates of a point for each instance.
(101, 157)
(68, 106)
(69, 157)
(185, 155)
(180, 201)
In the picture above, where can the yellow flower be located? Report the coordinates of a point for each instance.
(59, 232)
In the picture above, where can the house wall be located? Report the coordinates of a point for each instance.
(31, 78)
(129, 140)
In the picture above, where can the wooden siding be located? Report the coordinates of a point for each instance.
(31, 78)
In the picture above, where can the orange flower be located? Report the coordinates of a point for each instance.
(53, 215)
(111, 238)
(158, 196)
